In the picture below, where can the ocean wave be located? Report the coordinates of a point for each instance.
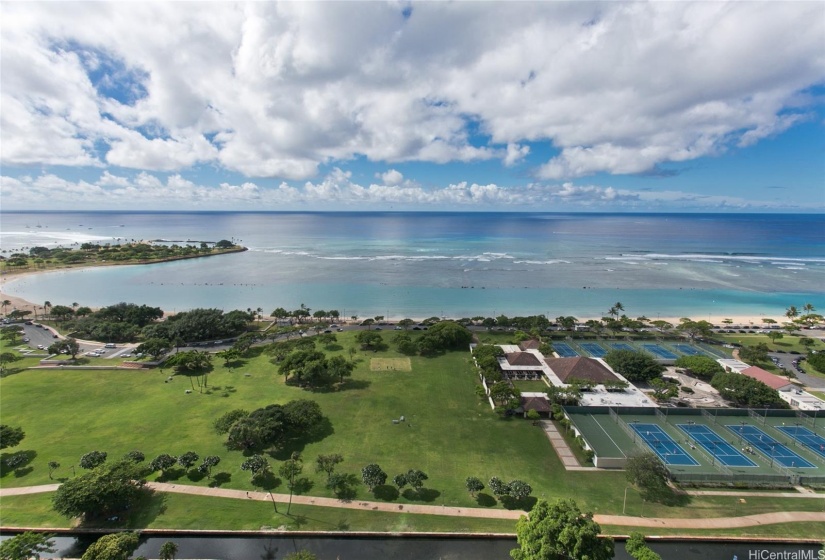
(713, 258)
(54, 238)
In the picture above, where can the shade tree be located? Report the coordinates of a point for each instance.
(28, 544)
(100, 492)
(372, 475)
(117, 546)
(634, 366)
(560, 530)
(10, 436)
(327, 463)
(92, 459)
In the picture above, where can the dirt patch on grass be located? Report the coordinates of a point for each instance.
(390, 364)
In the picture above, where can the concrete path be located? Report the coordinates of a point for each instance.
(620, 520)
(562, 449)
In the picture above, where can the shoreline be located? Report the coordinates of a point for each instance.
(756, 320)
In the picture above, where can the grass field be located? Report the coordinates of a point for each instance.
(390, 364)
(449, 433)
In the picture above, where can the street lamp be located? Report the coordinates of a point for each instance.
(624, 504)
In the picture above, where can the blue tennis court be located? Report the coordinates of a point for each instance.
(670, 452)
(564, 350)
(659, 352)
(806, 437)
(621, 346)
(595, 350)
(724, 452)
(770, 447)
(688, 350)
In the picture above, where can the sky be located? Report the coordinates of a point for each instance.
(472, 106)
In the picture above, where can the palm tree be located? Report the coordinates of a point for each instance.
(168, 550)
(809, 308)
(792, 313)
(4, 304)
(47, 305)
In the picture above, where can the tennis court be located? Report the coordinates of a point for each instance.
(771, 448)
(806, 437)
(595, 350)
(670, 452)
(724, 452)
(659, 352)
(688, 350)
(564, 350)
(621, 346)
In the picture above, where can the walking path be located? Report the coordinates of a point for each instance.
(568, 460)
(620, 520)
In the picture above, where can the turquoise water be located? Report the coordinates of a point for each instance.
(452, 264)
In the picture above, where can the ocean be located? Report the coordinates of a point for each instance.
(443, 264)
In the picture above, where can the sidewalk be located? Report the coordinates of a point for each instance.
(618, 520)
(568, 460)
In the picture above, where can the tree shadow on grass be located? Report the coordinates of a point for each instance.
(302, 486)
(8, 372)
(334, 347)
(18, 463)
(195, 475)
(485, 500)
(220, 478)
(321, 431)
(170, 474)
(525, 504)
(667, 496)
(385, 492)
(267, 481)
(147, 507)
(423, 495)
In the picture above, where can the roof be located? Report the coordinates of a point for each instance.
(530, 345)
(581, 368)
(522, 359)
(766, 377)
(539, 404)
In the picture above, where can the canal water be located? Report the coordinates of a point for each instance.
(276, 547)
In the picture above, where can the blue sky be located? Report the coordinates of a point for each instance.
(553, 106)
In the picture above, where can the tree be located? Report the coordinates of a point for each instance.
(289, 469)
(369, 340)
(5, 303)
(400, 480)
(415, 478)
(504, 394)
(757, 354)
(498, 487)
(168, 550)
(327, 463)
(746, 391)
(53, 466)
(560, 530)
(224, 244)
(792, 312)
(256, 464)
(135, 456)
(638, 549)
(445, 335)
(695, 329)
(519, 490)
(208, 462)
(662, 390)
(373, 476)
(225, 422)
(117, 546)
(775, 335)
(807, 342)
(8, 358)
(647, 472)
(703, 367)
(101, 491)
(93, 459)
(188, 460)
(474, 485)
(339, 367)
(66, 346)
(634, 366)
(162, 462)
(26, 545)
(154, 347)
(340, 484)
(817, 361)
(62, 312)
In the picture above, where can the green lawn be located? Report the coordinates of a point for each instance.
(787, 343)
(449, 432)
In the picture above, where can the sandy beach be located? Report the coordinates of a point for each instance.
(738, 319)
